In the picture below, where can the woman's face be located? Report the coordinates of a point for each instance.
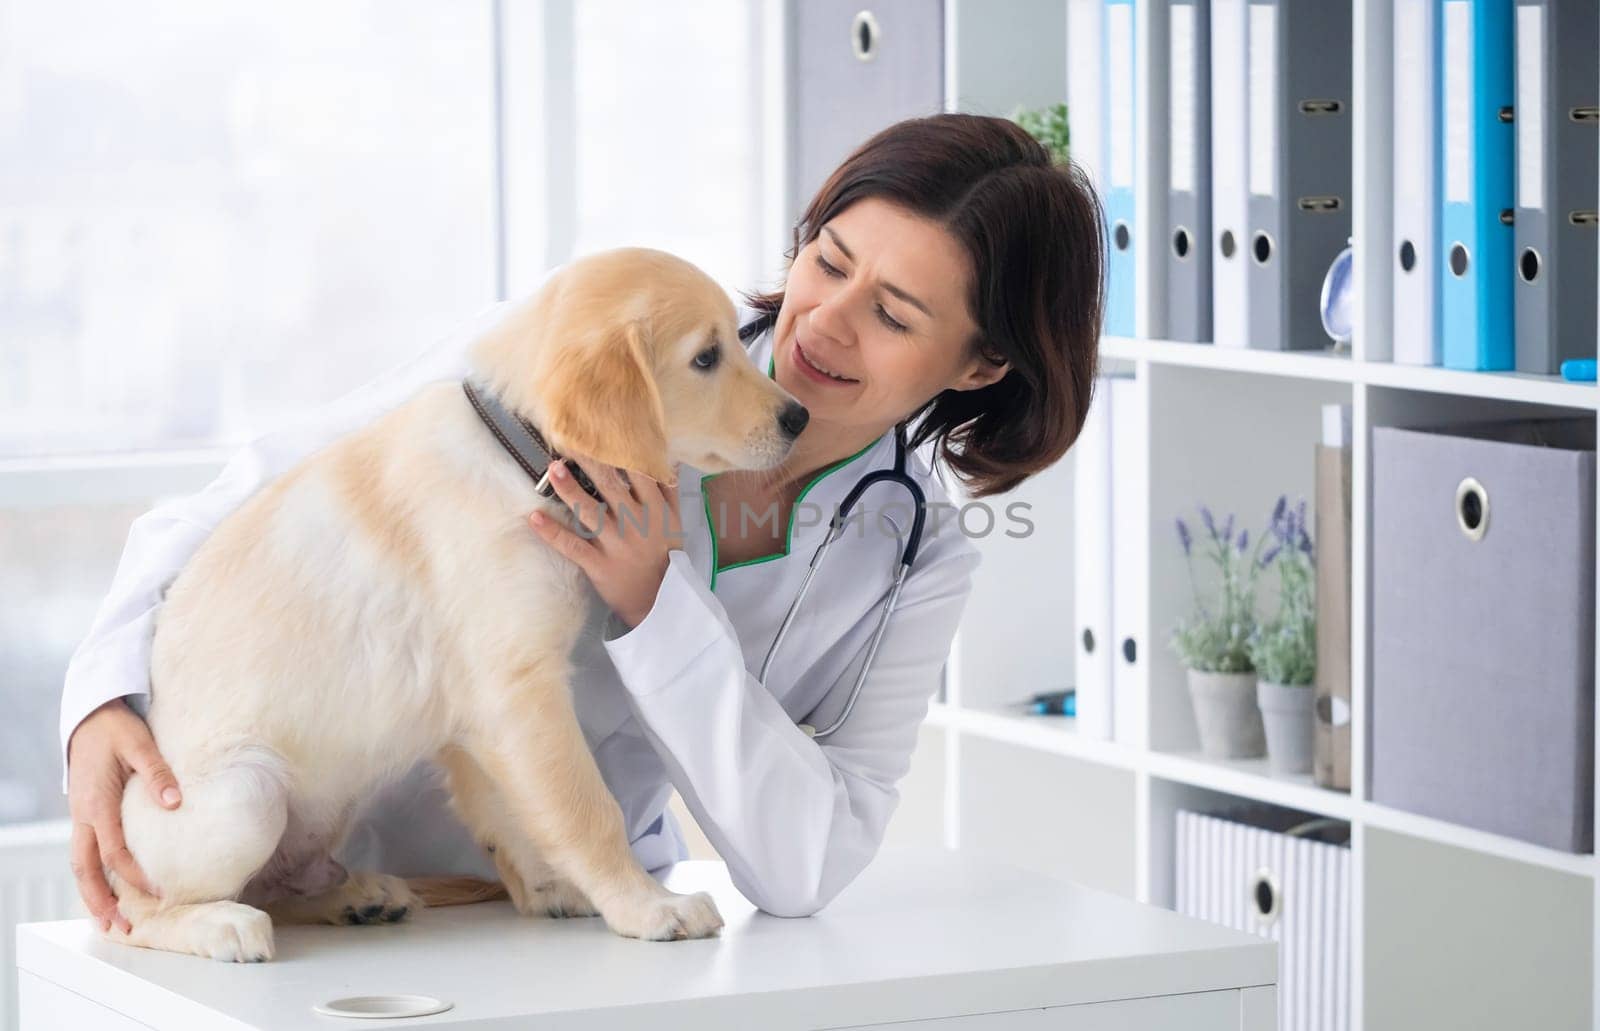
(879, 299)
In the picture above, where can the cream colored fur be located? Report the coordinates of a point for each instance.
(384, 601)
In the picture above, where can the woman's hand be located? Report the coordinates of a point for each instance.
(109, 745)
(623, 550)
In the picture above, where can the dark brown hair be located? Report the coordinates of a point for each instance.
(1033, 231)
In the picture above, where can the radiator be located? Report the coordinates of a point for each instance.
(1286, 887)
(35, 884)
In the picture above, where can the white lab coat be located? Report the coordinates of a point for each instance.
(674, 702)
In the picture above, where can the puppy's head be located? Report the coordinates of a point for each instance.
(632, 356)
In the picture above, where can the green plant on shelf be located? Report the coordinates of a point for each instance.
(1215, 638)
(1284, 649)
(1049, 126)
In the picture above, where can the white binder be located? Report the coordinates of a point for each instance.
(1091, 544)
(1130, 559)
(1416, 121)
(1230, 207)
(1085, 46)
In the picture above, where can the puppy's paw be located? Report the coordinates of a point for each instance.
(228, 931)
(668, 918)
(375, 898)
(364, 898)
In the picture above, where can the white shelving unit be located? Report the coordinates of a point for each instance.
(1451, 926)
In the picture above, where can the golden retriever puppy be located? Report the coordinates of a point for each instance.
(384, 601)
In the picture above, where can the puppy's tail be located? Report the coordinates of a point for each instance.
(456, 891)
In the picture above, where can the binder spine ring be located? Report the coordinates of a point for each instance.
(1460, 259)
(1180, 243)
(864, 36)
(1529, 264)
(1262, 246)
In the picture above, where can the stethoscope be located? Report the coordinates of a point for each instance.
(908, 554)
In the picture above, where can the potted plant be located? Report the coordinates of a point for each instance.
(1284, 649)
(1213, 643)
(1049, 126)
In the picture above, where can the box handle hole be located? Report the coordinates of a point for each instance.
(1472, 509)
(1266, 896)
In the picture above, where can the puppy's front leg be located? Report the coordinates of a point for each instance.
(532, 883)
(541, 765)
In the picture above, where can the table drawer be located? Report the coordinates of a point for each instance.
(1198, 1011)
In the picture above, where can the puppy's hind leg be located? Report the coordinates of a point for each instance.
(200, 856)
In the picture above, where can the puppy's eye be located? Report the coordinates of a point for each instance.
(707, 359)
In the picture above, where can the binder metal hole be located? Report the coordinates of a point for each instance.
(864, 36)
(1507, 115)
(1584, 114)
(1472, 509)
(1408, 256)
(1262, 248)
(1528, 265)
(1088, 641)
(1129, 651)
(1121, 237)
(1267, 896)
(1180, 242)
(1459, 260)
(1226, 244)
(1584, 218)
(1320, 107)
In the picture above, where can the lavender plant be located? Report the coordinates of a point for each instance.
(1215, 639)
(1284, 649)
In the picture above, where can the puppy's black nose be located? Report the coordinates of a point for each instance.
(793, 418)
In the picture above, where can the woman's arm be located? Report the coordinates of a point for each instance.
(113, 660)
(795, 818)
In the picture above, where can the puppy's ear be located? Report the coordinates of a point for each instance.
(601, 400)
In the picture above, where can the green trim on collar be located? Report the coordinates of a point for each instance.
(788, 541)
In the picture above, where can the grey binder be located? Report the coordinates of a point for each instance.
(857, 69)
(1556, 116)
(1189, 173)
(1298, 166)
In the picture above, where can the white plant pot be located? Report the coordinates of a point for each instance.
(1287, 710)
(1226, 713)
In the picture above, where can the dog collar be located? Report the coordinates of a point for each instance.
(523, 442)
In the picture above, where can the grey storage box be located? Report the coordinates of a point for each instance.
(1482, 692)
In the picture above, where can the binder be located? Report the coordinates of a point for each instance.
(1416, 118)
(1091, 546)
(1130, 557)
(1119, 88)
(856, 72)
(1085, 87)
(1476, 242)
(1230, 197)
(1557, 105)
(1330, 754)
(1189, 171)
(1298, 86)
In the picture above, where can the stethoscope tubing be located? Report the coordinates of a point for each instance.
(908, 555)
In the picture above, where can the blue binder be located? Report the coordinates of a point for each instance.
(1475, 159)
(1120, 79)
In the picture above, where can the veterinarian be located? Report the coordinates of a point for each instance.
(946, 276)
